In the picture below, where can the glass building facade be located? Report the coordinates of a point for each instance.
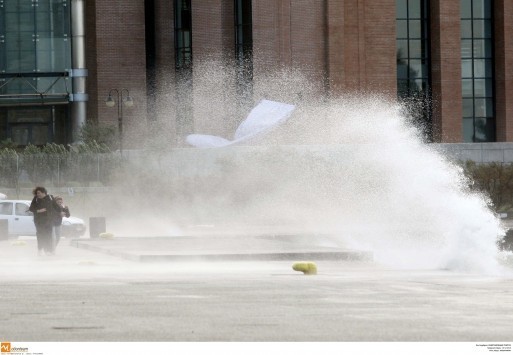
(35, 62)
(477, 71)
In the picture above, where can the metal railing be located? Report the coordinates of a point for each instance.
(57, 170)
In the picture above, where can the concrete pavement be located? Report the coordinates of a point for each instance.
(84, 295)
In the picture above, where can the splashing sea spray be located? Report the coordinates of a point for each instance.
(413, 204)
(351, 167)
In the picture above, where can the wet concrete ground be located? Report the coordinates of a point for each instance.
(84, 295)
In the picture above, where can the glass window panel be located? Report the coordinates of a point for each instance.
(466, 68)
(44, 61)
(5, 208)
(401, 9)
(22, 5)
(466, 48)
(20, 61)
(415, 48)
(21, 209)
(466, 8)
(402, 29)
(483, 87)
(484, 107)
(483, 68)
(416, 69)
(58, 23)
(466, 28)
(26, 22)
(402, 49)
(20, 22)
(484, 129)
(402, 88)
(187, 41)
(415, 28)
(25, 42)
(414, 8)
(490, 129)
(43, 22)
(468, 130)
(480, 130)
(417, 86)
(482, 48)
(468, 108)
(46, 53)
(57, 85)
(425, 71)
(43, 5)
(482, 29)
(402, 71)
(481, 8)
(467, 88)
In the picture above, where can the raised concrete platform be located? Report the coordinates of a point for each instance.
(222, 248)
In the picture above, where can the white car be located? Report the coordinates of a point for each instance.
(21, 221)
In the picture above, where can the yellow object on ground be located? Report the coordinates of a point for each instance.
(106, 235)
(307, 267)
(19, 243)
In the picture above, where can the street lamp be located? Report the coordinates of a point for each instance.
(123, 99)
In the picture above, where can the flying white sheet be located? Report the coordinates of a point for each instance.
(262, 118)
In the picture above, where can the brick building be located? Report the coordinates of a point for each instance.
(60, 60)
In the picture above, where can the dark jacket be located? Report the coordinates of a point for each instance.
(58, 218)
(44, 218)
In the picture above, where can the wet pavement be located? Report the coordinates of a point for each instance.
(88, 294)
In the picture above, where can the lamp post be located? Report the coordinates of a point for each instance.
(123, 99)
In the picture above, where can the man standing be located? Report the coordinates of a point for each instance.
(44, 209)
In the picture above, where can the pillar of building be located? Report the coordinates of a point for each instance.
(503, 28)
(213, 31)
(120, 63)
(79, 71)
(379, 41)
(213, 46)
(335, 45)
(271, 35)
(446, 71)
(361, 46)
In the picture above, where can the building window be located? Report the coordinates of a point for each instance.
(477, 71)
(35, 61)
(244, 46)
(151, 53)
(183, 68)
(35, 50)
(183, 34)
(36, 125)
(413, 63)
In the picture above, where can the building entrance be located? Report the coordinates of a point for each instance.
(36, 125)
(27, 133)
